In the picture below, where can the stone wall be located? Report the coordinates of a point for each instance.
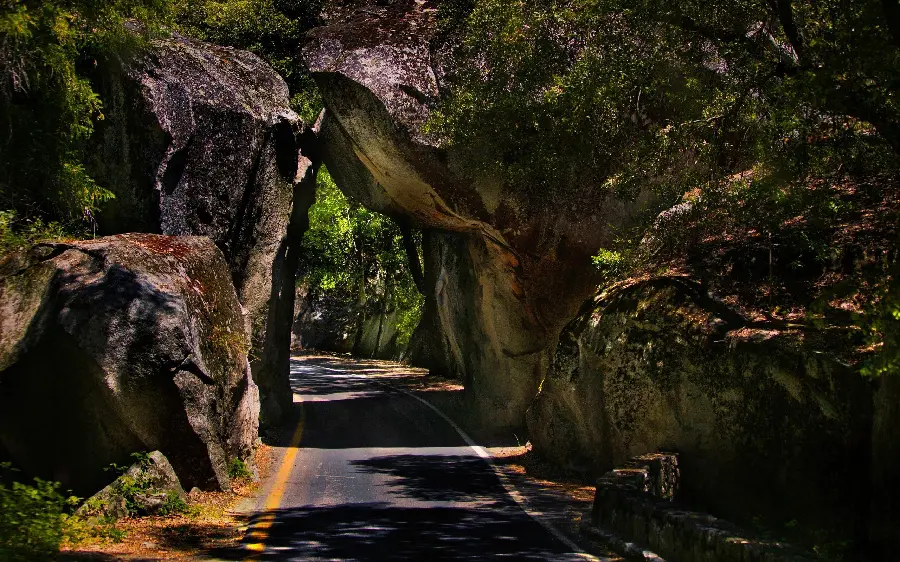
(635, 502)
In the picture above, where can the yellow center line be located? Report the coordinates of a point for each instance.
(259, 532)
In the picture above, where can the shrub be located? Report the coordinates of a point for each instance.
(48, 107)
(237, 468)
(31, 517)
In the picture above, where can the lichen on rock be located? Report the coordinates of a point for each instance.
(762, 423)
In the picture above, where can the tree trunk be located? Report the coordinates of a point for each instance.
(412, 255)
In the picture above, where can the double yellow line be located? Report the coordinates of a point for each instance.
(259, 531)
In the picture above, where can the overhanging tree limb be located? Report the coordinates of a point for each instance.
(785, 12)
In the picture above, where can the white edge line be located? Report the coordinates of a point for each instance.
(504, 480)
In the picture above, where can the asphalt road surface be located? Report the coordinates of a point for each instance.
(378, 475)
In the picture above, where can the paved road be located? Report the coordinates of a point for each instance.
(379, 475)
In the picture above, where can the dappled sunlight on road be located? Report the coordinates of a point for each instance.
(377, 474)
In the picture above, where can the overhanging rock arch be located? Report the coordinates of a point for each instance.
(506, 267)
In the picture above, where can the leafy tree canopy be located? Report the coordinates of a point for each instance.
(756, 114)
(633, 92)
(47, 106)
(355, 256)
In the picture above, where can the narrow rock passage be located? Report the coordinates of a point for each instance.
(378, 475)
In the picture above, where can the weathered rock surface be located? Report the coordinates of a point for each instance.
(200, 140)
(323, 323)
(511, 264)
(123, 344)
(146, 488)
(331, 324)
(762, 424)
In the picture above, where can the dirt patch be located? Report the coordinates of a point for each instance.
(212, 523)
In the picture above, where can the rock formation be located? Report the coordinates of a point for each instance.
(121, 344)
(200, 140)
(329, 323)
(148, 487)
(509, 264)
(762, 423)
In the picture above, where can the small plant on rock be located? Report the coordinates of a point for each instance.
(237, 468)
(174, 504)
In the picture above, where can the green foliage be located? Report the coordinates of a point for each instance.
(237, 468)
(798, 98)
(35, 519)
(26, 233)
(631, 94)
(82, 528)
(610, 263)
(882, 326)
(174, 504)
(272, 29)
(31, 517)
(353, 255)
(47, 106)
(136, 487)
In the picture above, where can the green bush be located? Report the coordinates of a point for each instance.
(18, 235)
(48, 107)
(174, 504)
(31, 518)
(237, 468)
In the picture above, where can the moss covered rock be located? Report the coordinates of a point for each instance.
(764, 425)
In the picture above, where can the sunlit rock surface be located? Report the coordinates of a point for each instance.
(200, 140)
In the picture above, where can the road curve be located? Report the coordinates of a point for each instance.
(378, 475)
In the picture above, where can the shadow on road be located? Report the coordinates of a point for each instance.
(380, 532)
(411, 487)
(433, 478)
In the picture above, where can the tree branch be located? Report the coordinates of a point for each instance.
(412, 255)
(891, 9)
(785, 12)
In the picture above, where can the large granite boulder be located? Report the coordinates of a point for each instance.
(124, 344)
(764, 424)
(510, 264)
(200, 140)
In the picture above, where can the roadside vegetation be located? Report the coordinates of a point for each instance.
(48, 108)
(38, 519)
(355, 259)
(768, 128)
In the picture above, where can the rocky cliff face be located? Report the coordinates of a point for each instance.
(332, 324)
(122, 344)
(200, 140)
(510, 265)
(763, 422)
